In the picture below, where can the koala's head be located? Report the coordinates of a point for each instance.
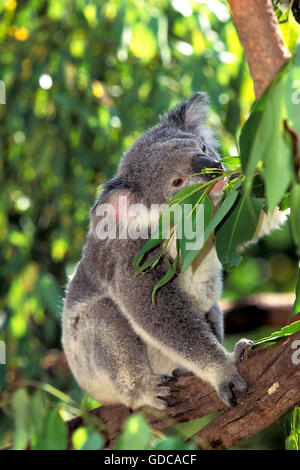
(162, 161)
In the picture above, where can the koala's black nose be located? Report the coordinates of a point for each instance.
(202, 161)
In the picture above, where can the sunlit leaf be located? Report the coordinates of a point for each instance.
(195, 219)
(277, 335)
(135, 435)
(20, 406)
(143, 44)
(296, 305)
(166, 278)
(238, 227)
(277, 157)
(295, 215)
(55, 433)
(292, 91)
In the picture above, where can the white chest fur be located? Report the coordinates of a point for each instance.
(202, 281)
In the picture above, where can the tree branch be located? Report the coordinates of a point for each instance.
(260, 36)
(273, 377)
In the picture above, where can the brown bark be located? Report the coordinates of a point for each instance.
(274, 387)
(259, 33)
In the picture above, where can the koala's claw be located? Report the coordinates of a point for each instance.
(158, 403)
(179, 372)
(154, 390)
(239, 350)
(168, 378)
(226, 393)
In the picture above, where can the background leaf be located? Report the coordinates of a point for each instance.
(277, 158)
(135, 435)
(238, 227)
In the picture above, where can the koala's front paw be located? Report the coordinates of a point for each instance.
(225, 388)
(239, 350)
(154, 391)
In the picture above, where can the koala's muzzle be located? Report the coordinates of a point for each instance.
(202, 162)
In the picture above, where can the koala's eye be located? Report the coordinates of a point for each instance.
(177, 182)
(204, 148)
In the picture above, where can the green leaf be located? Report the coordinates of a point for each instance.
(79, 437)
(255, 135)
(278, 164)
(291, 442)
(285, 203)
(231, 162)
(297, 419)
(166, 220)
(193, 217)
(93, 442)
(166, 278)
(20, 406)
(290, 30)
(135, 435)
(190, 428)
(143, 43)
(224, 208)
(170, 443)
(277, 335)
(149, 245)
(296, 306)
(150, 263)
(38, 411)
(292, 91)
(50, 294)
(55, 435)
(295, 215)
(184, 193)
(239, 226)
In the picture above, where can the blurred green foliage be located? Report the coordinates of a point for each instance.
(83, 79)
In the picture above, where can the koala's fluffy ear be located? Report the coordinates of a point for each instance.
(113, 194)
(189, 115)
(111, 188)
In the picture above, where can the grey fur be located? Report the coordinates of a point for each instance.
(119, 346)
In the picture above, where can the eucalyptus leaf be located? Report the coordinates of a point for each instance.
(170, 443)
(231, 162)
(291, 442)
(135, 435)
(222, 210)
(167, 219)
(292, 91)
(255, 136)
(38, 411)
(93, 442)
(236, 228)
(55, 435)
(166, 278)
(277, 335)
(198, 219)
(278, 164)
(20, 405)
(295, 215)
(296, 306)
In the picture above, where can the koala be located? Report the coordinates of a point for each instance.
(120, 347)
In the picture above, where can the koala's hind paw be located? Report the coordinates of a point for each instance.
(239, 350)
(154, 391)
(225, 389)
